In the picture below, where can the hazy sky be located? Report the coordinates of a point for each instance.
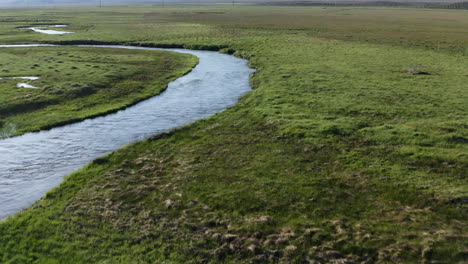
(114, 2)
(87, 2)
(59, 2)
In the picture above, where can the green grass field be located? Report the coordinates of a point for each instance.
(350, 149)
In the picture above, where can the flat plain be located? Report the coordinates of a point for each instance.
(350, 149)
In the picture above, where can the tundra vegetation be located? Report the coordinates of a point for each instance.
(350, 149)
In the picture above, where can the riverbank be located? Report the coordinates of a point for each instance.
(344, 152)
(80, 82)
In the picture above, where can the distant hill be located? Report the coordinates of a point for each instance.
(458, 5)
(387, 3)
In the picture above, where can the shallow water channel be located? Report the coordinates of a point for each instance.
(43, 30)
(23, 85)
(33, 163)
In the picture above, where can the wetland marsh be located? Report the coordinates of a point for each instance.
(344, 152)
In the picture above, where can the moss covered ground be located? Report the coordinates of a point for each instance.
(350, 149)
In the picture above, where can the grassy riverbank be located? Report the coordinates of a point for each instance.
(77, 83)
(350, 149)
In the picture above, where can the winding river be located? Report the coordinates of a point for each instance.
(33, 163)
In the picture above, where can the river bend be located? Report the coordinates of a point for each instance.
(33, 163)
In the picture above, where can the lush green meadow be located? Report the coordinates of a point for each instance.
(350, 149)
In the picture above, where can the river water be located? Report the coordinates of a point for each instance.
(33, 163)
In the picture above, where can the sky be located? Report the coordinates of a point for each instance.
(58, 2)
(83, 2)
(24, 3)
